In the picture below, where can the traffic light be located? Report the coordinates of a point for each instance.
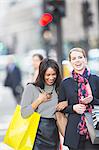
(55, 7)
(45, 28)
(45, 19)
(87, 14)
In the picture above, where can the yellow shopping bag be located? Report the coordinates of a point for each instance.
(22, 132)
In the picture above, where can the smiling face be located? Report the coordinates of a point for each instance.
(78, 61)
(50, 76)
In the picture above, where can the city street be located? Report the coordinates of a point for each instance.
(7, 107)
(53, 29)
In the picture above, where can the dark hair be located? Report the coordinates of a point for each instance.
(38, 55)
(44, 65)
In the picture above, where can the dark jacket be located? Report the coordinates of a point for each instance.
(68, 91)
(13, 78)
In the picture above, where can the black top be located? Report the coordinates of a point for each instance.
(68, 91)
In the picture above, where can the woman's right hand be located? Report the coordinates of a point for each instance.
(43, 97)
(79, 108)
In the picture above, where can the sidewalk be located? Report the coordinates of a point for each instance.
(5, 147)
(62, 146)
(4, 124)
(7, 107)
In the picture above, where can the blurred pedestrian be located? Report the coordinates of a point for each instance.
(81, 91)
(42, 97)
(36, 60)
(13, 78)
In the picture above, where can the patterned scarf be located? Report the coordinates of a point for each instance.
(82, 80)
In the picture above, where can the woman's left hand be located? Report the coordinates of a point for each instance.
(61, 105)
(86, 100)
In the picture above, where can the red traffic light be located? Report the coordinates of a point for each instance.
(45, 19)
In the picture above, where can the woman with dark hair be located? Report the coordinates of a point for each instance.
(41, 97)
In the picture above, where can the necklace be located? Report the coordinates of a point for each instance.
(49, 89)
(49, 93)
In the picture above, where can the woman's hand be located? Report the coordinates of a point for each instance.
(79, 108)
(61, 105)
(86, 100)
(43, 97)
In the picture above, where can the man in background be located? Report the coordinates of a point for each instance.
(13, 78)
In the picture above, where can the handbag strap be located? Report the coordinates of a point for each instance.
(94, 119)
(95, 116)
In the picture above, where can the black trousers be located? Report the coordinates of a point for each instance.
(47, 137)
(86, 145)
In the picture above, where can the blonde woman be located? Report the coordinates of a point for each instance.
(81, 92)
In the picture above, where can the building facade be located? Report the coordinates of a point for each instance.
(21, 32)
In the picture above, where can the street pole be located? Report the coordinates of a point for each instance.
(86, 32)
(59, 43)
